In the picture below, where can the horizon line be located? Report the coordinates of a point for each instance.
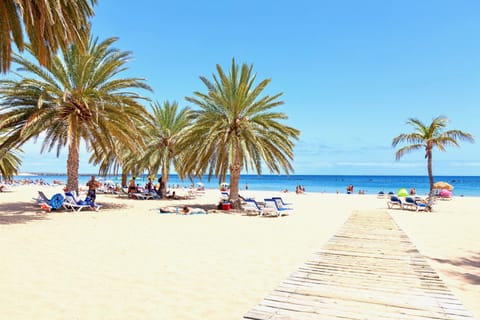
(248, 174)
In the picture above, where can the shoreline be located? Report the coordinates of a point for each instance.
(243, 192)
(127, 261)
(463, 185)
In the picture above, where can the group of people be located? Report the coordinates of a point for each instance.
(350, 190)
(412, 192)
(94, 184)
(299, 189)
(27, 181)
(133, 187)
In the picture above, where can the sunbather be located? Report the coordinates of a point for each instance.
(169, 209)
(190, 210)
(184, 210)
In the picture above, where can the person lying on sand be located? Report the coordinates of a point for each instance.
(184, 210)
(190, 210)
(169, 209)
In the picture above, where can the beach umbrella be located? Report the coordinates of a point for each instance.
(402, 192)
(444, 193)
(442, 185)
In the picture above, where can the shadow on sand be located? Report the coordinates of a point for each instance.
(20, 212)
(472, 261)
(23, 212)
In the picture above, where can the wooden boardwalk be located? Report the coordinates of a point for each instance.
(368, 270)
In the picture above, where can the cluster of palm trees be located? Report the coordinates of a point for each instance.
(78, 95)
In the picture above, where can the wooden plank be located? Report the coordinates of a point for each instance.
(368, 270)
(350, 309)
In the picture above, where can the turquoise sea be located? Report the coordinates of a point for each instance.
(463, 185)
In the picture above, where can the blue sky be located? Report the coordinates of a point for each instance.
(351, 72)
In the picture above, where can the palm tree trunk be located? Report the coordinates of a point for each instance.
(124, 178)
(73, 161)
(430, 171)
(235, 169)
(234, 181)
(163, 182)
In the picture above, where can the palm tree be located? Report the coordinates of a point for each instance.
(236, 129)
(48, 24)
(123, 157)
(427, 137)
(9, 160)
(117, 159)
(169, 124)
(77, 97)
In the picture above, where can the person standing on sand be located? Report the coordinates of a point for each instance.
(92, 189)
(132, 187)
(149, 185)
(350, 189)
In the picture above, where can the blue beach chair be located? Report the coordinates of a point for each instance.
(395, 202)
(417, 205)
(55, 202)
(281, 204)
(271, 204)
(74, 203)
(251, 206)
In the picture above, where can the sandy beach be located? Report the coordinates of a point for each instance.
(127, 261)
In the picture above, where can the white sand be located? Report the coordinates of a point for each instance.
(130, 262)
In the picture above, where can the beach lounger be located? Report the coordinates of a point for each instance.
(55, 202)
(42, 197)
(281, 204)
(142, 196)
(122, 193)
(416, 205)
(224, 195)
(271, 204)
(395, 202)
(70, 204)
(409, 203)
(74, 203)
(252, 207)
